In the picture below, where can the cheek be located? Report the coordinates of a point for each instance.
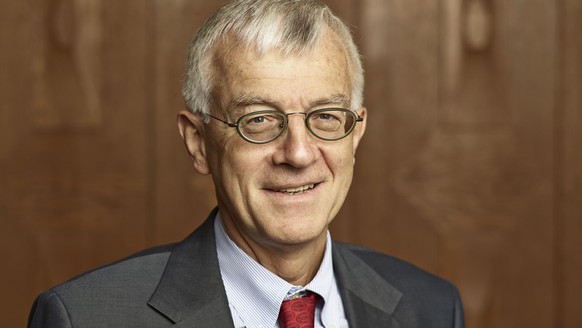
(237, 161)
(340, 159)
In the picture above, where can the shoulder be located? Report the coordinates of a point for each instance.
(416, 284)
(119, 289)
(145, 268)
(417, 297)
(126, 281)
(125, 289)
(137, 270)
(387, 265)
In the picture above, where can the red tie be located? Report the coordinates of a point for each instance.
(299, 312)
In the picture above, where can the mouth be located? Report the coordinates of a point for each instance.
(297, 190)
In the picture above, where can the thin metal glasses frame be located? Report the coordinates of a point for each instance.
(285, 117)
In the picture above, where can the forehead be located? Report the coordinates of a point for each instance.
(298, 79)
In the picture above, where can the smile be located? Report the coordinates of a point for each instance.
(297, 190)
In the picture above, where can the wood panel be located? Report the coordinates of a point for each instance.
(72, 177)
(456, 169)
(569, 170)
(18, 278)
(399, 42)
(182, 197)
(471, 166)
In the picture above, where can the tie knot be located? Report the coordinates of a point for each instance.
(299, 312)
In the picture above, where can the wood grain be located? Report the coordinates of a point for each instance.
(471, 166)
(569, 170)
(73, 188)
(66, 66)
(457, 160)
(182, 198)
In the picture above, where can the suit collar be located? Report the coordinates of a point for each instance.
(369, 300)
(191, 290)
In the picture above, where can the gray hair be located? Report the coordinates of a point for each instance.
(291, 26)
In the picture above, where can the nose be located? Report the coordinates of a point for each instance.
(296, 144)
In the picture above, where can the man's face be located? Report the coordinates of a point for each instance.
(287, 191)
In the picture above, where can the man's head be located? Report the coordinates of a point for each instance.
(287, 25)
(287, 61)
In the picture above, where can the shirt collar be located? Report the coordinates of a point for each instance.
(257, 294)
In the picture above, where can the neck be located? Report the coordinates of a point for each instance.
(295, 263)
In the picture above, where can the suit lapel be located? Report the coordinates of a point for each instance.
(191, 292)
(368, 299)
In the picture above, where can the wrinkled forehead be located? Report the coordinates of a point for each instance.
(233, 59)
(325, 64)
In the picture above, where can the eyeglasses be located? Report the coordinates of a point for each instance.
(267, 125)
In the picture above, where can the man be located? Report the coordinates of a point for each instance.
(274, 91)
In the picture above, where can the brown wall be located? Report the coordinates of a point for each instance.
(471, 167)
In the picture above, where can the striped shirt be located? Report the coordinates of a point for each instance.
(243, 276)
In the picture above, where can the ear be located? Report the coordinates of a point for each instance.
(360, 128)
(191, 127)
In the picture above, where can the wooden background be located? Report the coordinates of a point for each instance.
(471, 167)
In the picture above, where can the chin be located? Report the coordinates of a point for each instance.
(296, 235)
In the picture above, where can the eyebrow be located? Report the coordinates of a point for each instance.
(337, 99)
(246, 100)
(249, 100)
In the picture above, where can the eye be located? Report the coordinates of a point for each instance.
(254, 123)
(258, 119)
(327, 121)
(325, 116)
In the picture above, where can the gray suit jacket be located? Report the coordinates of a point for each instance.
(180, 286)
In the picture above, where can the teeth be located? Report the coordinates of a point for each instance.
(297, 190)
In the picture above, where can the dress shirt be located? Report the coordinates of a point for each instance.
(255, 294)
